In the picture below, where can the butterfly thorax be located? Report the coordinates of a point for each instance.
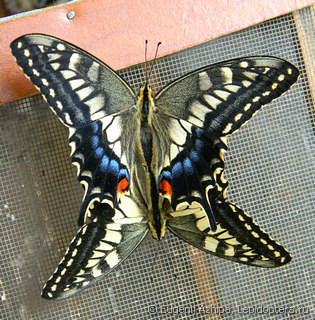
(146, 151)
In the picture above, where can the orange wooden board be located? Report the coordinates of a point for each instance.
(115, 31)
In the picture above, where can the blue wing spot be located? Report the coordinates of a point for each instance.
(194, 156)
(104, 163)
(113, 167)
(99, 152)
(95, 141)
(199, 145)
(123, 173)
(188, 167)
(199, 132)
(166, 175)
(94, 126)
(177, 170)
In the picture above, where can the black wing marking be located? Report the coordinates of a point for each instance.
(236, 237)
(98, 152)
(220, 98)
(78, 87)
(193, 165)
(99, 247)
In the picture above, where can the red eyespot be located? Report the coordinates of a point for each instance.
(165, 189)
(122, 186)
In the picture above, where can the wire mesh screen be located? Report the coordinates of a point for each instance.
(270, 167)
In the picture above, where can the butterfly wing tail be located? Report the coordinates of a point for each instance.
(236, 238)
(99, 247)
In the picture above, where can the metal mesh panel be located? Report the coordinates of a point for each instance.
(270, 166)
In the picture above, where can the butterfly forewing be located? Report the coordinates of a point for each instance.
(77, 86)
(181, 139)
(222, 97)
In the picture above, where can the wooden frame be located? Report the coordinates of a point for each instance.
(115, 31)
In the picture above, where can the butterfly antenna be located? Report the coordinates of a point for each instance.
(154, 61)
(145, 58)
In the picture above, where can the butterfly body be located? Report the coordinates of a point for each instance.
(151, 163)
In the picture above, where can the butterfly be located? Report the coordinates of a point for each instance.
(150, 163)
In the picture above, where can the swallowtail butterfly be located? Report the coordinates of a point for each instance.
(149, 163)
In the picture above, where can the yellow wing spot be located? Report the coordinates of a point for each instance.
(52, 92)
(97, 255)
(241, 218)
(212, 101)
(211, 244)
(227, 128)
(79, 242)
(96, 272)
(246, 83)
(281, 77)
(41, 48)
(247, 107)
(36, 73)
(30, 62)
(69, 262)
(256, 99)
(74, 252)
(244, 64)
(255, 234)
(112, 236)
(222, 94)
(227, 74)
(238, 117)
(67, 74)
(266, 93)
(91, 263)
(59, 105)
(266, 70)
(203, 223)
(232, 87)
(53, 287)
(20, 45)
(61, 47)
(68, 119)
(245, 259)
(45, 82)
(84, 92)
(112, 259)
(277, 254)
(247, 226)
(27, 53)
(55, 65)
(232, 242)
(274, 86)
(289, 71)
(204, 81)
(229, 251)
(58, 279)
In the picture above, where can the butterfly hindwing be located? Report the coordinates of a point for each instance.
(99, 153)
(99, 246)
(236, 237)
(222, 97)
(77, 86)
(193, 165)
